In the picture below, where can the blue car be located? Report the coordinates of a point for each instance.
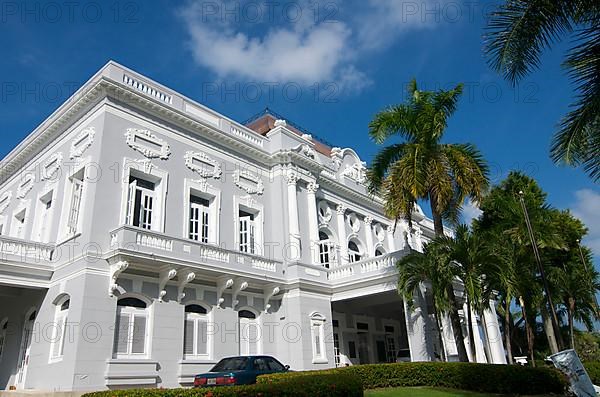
(241, 370)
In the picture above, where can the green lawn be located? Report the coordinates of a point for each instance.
(422, 392)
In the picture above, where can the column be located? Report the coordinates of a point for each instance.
(341, 223)
(494, 335)
(294, 229)
(313, 221)
(370, 251)
(391, 242)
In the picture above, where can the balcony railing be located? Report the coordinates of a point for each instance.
(136, 240)
(18, 250)
(372, 266)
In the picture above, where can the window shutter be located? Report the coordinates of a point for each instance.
(122, 334)
(139, 334)
(130, 202)
(202, 342)
(188, 337)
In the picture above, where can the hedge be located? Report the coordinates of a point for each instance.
(319, 385)
(485, 378)
(593, 370)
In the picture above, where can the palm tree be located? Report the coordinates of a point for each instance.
(421, 167)
(431, 267)
(518, 32)
(470, 252)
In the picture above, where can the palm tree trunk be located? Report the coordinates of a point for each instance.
(549, 329)
(508, 330)
(454, 317)
(440, 334)
(528, 331)
(570, 314)
(471, 332)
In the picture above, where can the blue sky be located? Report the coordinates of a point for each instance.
(328, 66)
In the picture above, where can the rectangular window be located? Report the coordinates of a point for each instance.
(199, 219)
(140, 203)
(74, 203)
(318, 340)
(352, 349)
(247, 229)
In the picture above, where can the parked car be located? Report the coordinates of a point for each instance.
(241, 370)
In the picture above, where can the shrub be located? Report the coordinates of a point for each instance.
(319, 385)
(593, 370)
(486, 378)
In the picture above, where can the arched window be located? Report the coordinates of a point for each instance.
(317, 328)
(60, 333)
(131, 332)
(354, 253)
(325, 250)
(3, 328)
(379, 251)
(196, 336)
(249, 333)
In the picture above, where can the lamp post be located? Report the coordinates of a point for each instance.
(538, 259)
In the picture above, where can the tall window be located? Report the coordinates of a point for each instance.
(317, 326)
(249, 333)
(199, 219)
(141, 202)
(74, 203)
(131, 333)
(247, 232)
(196, 338)
(3, 329)
(19, 223)
(325, 250)
(354, 254)
(60, 328)
(379, 252)
(390, 344)
(44, 222)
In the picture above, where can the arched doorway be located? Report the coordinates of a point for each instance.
(249, 333)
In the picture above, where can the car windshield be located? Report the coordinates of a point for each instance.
(231, 364)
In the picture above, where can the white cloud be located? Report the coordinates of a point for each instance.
(260, 42)
(470, 211)
(587, 208)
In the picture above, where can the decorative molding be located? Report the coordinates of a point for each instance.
(223, 283)
(135, 135)
(239, 287)
(52, 166)
(184, 280)
(245, 180)
(165, 276)
(354, 222)
(307, 151)
(312, 187)
(341, 209)
(82, 142)
(292, 177)
(280, 123)
(337, 157)
(208, 168)
(368, 220)
(25, 186)
(115, 271)
(329, 174)
(357, 172)
(324, 212)
(269, 293)
(379, 232)
(5, 201)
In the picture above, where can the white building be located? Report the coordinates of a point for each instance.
(144, 237)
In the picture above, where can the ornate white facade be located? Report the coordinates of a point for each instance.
(145, 236)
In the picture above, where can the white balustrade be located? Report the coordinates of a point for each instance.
(247, 136)
(265, 265)
(154, 241)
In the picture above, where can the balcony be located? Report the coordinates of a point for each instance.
(26, 263)
(378, 266)
(149, 245)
